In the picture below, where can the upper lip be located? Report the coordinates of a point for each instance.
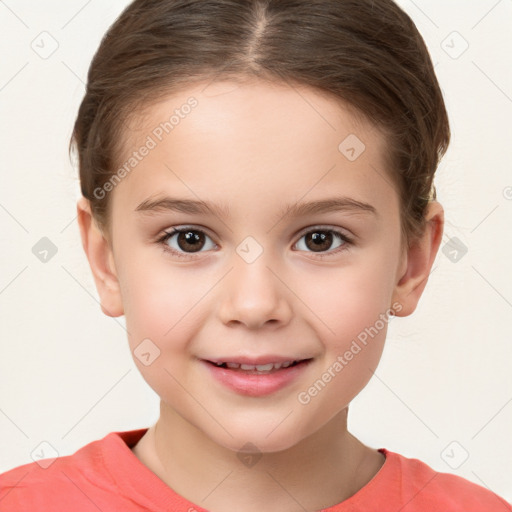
(260, 360)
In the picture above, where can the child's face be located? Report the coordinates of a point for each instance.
(254, 285)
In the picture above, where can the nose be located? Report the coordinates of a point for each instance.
(254, 295)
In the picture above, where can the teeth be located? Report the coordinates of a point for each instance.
(258, 367)
(264, 367)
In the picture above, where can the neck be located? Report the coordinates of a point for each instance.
(320, 471)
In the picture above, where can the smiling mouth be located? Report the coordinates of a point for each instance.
(259, 369)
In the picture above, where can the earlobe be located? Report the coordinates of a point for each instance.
(101, 260)
(419, 259)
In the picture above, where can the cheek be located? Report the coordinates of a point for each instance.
(347, 300)
(355, 309)
(158, 300)
(344, 375)
(353, 305)
(161, 318)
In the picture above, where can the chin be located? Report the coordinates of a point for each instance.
(258, 437)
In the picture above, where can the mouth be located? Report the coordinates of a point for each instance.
(259, 369)
(256, 376)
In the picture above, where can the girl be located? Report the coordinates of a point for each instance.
(258, 201)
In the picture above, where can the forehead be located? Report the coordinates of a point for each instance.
(211, 140)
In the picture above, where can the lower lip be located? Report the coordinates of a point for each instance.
(250, 384)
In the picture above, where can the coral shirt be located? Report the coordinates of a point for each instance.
(106, 476)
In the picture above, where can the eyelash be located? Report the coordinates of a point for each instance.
(347, 241)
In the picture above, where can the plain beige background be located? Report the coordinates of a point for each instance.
(443, 390)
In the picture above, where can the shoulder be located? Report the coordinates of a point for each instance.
(71, 479)
(421, 486)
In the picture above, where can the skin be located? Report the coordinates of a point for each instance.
(254, 147)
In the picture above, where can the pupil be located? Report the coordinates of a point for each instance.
(321, 240)
(190, 240)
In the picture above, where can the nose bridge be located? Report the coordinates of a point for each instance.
(252, 294)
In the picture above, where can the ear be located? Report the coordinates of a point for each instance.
(101, 260)
(417, 261)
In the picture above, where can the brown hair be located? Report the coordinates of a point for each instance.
(366, 53)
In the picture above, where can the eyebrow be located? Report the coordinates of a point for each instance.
(294, 210)
(327, 205)
(181, 205)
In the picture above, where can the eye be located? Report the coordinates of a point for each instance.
(185, 241)
(320, 240)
